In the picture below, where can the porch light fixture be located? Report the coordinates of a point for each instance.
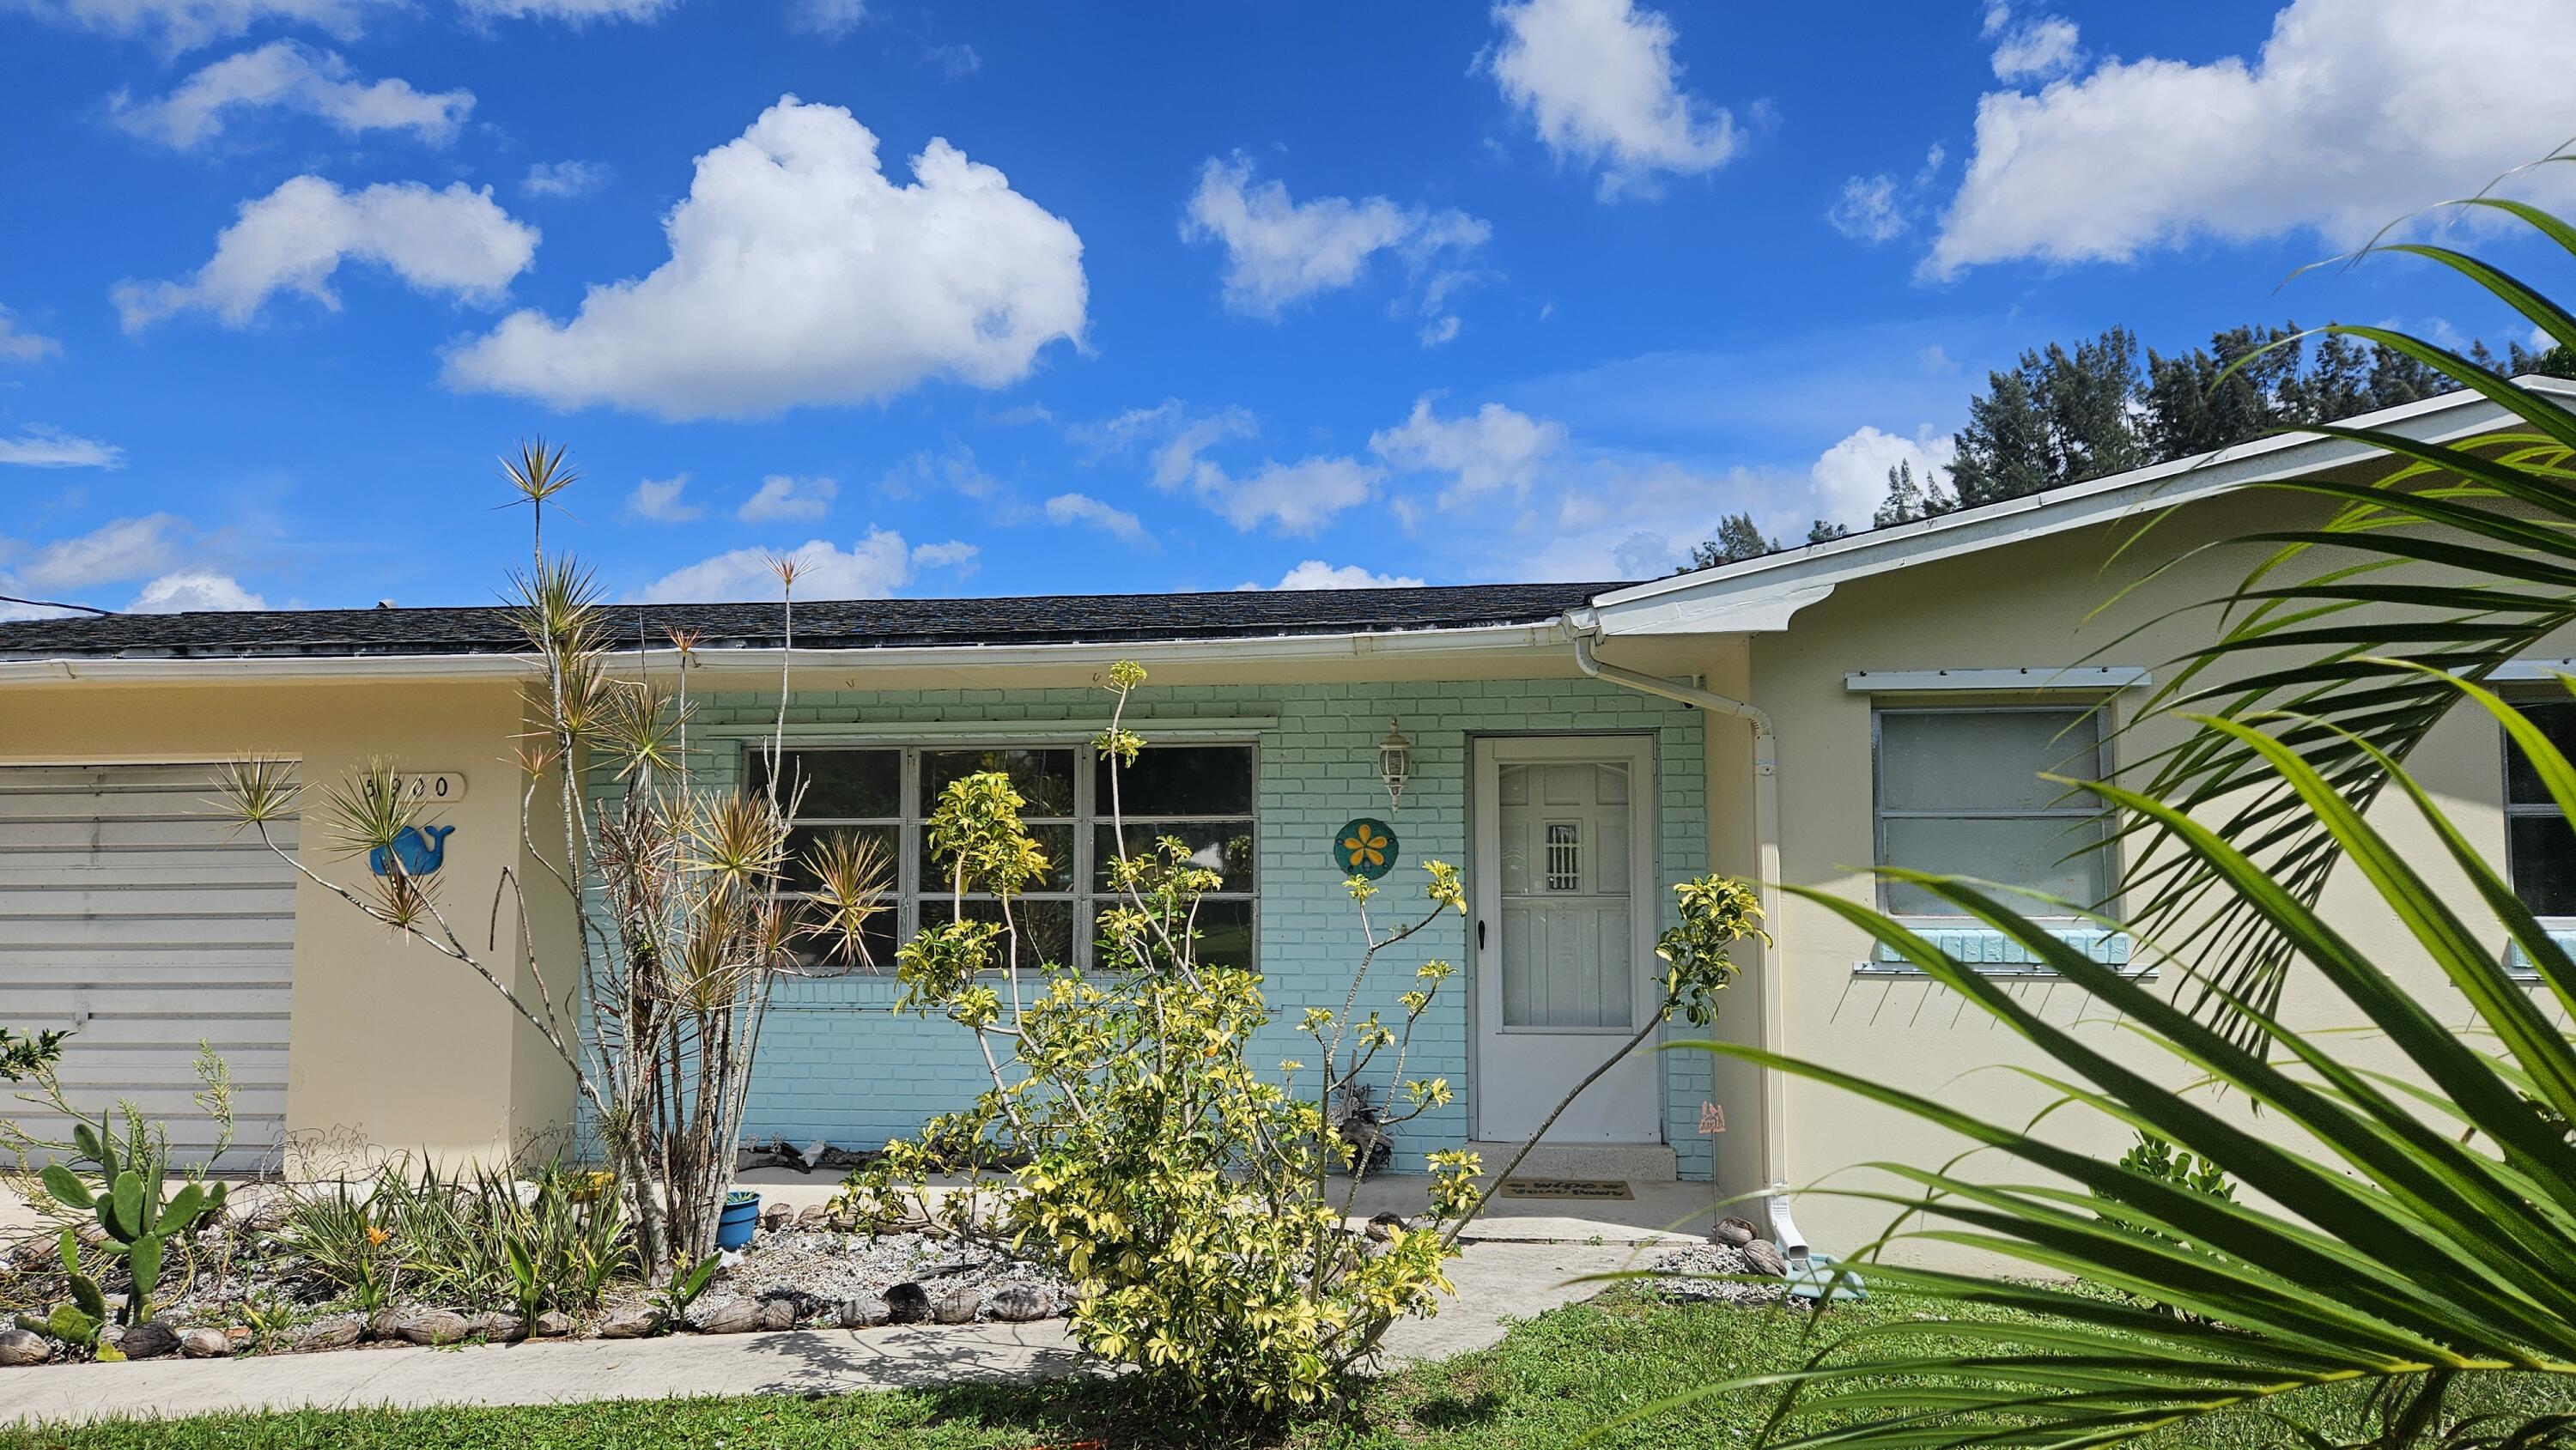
(1394, 764)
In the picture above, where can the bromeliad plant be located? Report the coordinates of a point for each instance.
(1186, 1192)
(657, 1004)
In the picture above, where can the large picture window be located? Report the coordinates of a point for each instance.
(1959, 792)
(1202, 794)
(2539, 847)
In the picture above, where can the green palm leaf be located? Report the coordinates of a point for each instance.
(2411, 1230)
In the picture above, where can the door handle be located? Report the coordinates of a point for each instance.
(1480, 936)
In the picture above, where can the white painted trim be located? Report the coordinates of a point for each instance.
(2519, 672)
(1231, 726)
(1414, 644)
(1761, 594)
(2026, 677)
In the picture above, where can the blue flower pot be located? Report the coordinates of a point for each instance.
(741, 1215)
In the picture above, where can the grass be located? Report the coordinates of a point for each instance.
(1551, 1381)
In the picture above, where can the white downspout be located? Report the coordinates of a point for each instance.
(1766, 831)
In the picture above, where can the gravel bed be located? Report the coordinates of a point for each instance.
(1680, 1276)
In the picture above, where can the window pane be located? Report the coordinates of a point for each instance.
(1056, 841)
(1046, 927)
(1224, 846)
(2026, 853)
(1179, 780)
(2543, 853)
(802, 840)
(838, 783)
(1225, 933)
(1982, 760)
(2557, 720)
(1044, 778)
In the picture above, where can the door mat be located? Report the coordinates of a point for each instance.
(1565, 1188)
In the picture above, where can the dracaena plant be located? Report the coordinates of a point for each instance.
(656, 1002)
(1129, 1137)
(2407, 1235)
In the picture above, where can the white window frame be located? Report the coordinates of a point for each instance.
(2095, 709)
(2555, 925)
(913, 892)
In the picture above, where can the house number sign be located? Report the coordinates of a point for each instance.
(423, 787)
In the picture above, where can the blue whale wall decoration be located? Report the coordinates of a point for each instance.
(419, 850)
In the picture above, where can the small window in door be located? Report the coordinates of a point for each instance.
(1564, 856)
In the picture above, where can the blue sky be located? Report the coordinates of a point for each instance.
(1052, 298)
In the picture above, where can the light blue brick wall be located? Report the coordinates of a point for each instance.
(837, 1063)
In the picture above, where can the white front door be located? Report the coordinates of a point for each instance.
(1564, 895)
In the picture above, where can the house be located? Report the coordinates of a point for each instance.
(1578, 747)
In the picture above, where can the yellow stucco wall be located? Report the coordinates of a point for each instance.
(2023, 604)
(391, 1041)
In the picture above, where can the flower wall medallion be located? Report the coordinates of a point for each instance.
(1365, 848)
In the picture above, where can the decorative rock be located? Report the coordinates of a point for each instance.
(954, 1305)
(17, 1347)
(385, 1324)
(495, 1327)
(636, 1323)
(778, 1314)
(337, 1332)
(1385, 1226)
(150, 1339)
(205, 1344)
(733, 1316)
(907, 1303)
(1763, 1257)
(864, 1312)
(553, 1324)
(1735, 1233)
(776, 1216)
(816, 1216)
(434, 1326)
(1019, 1303)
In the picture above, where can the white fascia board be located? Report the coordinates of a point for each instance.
(2026, 677)
(1761, 594)
(1426, 644)
(2519, 672)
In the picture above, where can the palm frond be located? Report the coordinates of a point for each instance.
(2411, 1230)
(2460, 558)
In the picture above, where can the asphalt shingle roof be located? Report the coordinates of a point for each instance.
(825, 624)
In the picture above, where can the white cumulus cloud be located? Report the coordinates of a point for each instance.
(1295, 498)
(564, 180)
(2038, 49)
(2354, 113)
(576, 11)
(37, 446)
(455, 241)
(658, 499)
(119, 549)
(800, 274)
(782, 497)
(1082, 508)
(17, 344)
(283, 75)
(180, 25)
(1280, 251)
(1868, 209)
(1494, 449)
(873, 568)
(1850, 478)
(1597, 80)
(833, 18)
(192, 590)
(1316, 574)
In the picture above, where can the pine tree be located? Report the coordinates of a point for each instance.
(1825, 531)
(1909, 498)
(1738, 538)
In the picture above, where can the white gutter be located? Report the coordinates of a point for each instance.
(1766, 833)
(1420, 643)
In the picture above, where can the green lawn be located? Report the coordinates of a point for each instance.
(1549, 1382)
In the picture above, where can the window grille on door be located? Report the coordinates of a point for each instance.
(1564, 856)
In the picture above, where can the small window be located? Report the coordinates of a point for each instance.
(1959, 792)
(2540, 850)
(1564, 856)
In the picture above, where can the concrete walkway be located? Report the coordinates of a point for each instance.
(1498, 1281)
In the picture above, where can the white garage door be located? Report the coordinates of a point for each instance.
(133, 914)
